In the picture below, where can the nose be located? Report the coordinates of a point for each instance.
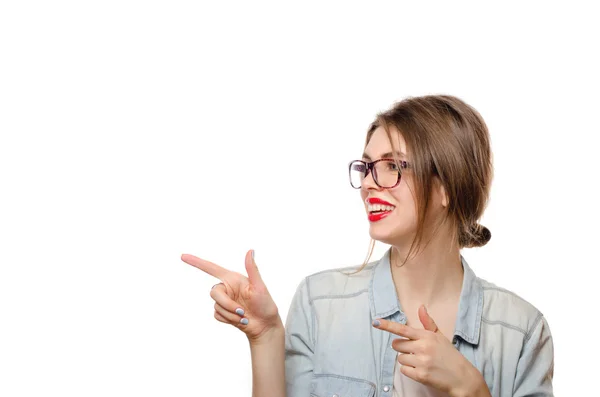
(369, 183)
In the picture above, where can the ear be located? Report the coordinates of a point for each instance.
(441, 192)
(445, 200)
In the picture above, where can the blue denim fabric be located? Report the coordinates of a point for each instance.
(333, 350)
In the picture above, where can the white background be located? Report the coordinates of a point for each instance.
(135, 131)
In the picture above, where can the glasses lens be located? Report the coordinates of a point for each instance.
(386, 173)
(357, 174)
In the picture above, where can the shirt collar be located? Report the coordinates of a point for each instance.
(384, 299)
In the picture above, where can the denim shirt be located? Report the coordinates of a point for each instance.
(332, 350)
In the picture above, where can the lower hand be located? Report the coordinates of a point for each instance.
(431, 359)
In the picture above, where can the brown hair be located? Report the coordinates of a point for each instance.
(446, 138)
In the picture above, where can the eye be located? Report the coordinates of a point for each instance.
(358, 167)
(392, 166)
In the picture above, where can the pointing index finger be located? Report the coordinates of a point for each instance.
(204, 265)
(398, 329)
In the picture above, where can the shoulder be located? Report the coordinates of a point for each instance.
(340, 281)
(506, 308)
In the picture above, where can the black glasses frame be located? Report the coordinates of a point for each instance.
(369, 167)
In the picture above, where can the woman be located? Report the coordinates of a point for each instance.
(416, 322)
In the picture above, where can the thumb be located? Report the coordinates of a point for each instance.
(426, 320)
(252, 270)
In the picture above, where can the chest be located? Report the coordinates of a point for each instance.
(444, 317)
(353, 358)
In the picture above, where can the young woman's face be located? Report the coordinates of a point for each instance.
(398, 226)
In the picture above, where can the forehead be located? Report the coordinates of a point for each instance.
(380, 144)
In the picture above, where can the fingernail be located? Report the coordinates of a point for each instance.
(252, 254)
(239, 311)
(376, 323)
(244, 321)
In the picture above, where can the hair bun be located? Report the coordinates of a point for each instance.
(479, 236)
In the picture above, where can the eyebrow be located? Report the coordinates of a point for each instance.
(385, 155)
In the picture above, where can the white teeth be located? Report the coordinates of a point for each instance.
(380, 207)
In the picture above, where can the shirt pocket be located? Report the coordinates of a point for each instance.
(340, 386)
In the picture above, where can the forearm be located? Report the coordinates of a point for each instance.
(268, 364)
(473, 385)
(481, 390)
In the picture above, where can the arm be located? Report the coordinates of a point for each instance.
(268, 371)
(282, 358)
(536, 364)
(474, 385)
(299, 343)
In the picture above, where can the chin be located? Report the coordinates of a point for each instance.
(382, 235)
(390, 235)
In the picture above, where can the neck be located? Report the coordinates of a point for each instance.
(434, 275)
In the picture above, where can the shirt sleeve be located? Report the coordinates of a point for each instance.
(536, 364)
(299, 343)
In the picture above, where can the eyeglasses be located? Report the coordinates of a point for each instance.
(386, 173)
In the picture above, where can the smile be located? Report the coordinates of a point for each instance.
(378, 209)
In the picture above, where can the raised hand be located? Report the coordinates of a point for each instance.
(429, 358)
(241, 301)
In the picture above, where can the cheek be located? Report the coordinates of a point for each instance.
(403, 196)
(406, 203)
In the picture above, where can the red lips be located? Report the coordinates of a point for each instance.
(376, 200)
(378, 216)
(374, 217)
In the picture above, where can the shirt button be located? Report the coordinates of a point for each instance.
(386, 388)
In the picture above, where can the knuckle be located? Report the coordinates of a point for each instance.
(398, 329)
(422, 375)
(427, 361)
(404, 370)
